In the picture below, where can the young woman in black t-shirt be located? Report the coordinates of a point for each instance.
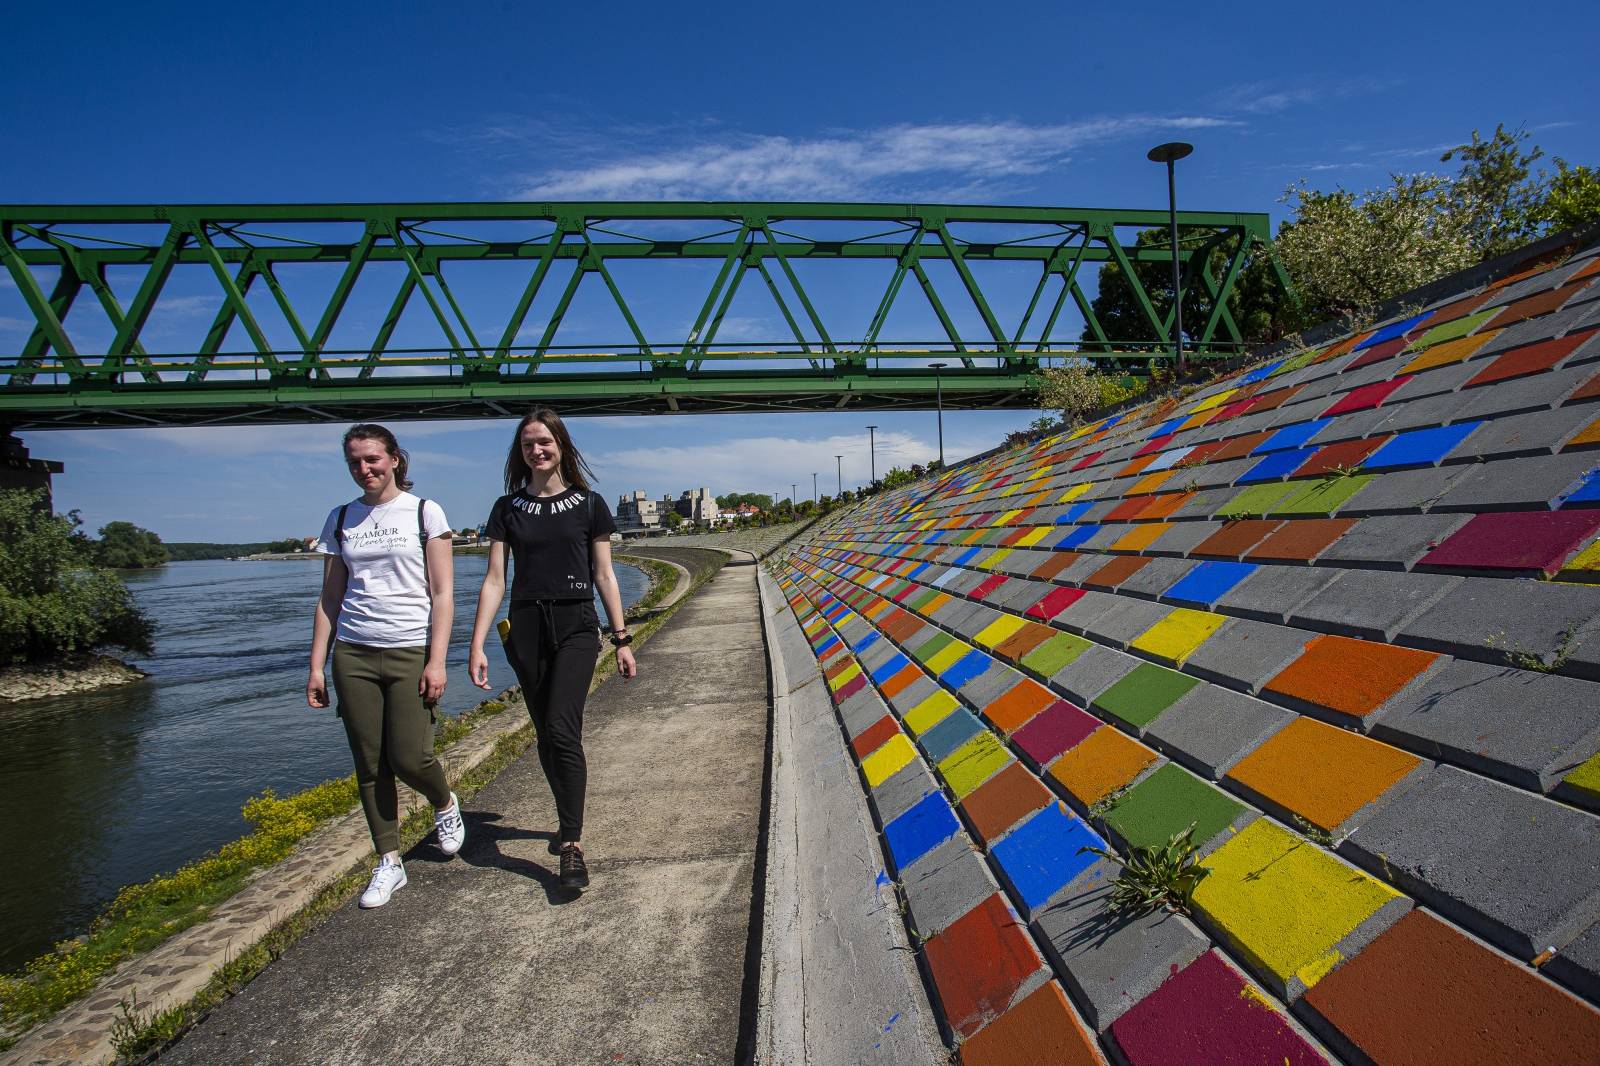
(558, 532)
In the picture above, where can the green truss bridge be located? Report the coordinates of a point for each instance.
(230, 314)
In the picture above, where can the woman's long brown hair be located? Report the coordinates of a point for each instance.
(575, 469)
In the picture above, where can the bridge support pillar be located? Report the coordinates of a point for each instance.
(19, 471)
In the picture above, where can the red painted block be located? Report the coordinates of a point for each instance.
(1269, 401)
(980, 963)
(1530, 359)
(1200, 453)
(1590, 389)
(1237, 407)
(1346, 453)
(1157, 444)
(1054, 602)
(1376, 353)
(1537, 541)
(1301, 540)
(1365, 397)
(1541, 303)
(1053, 730)
(1239, 447)
(1004, 800)
(1087, 461)
(1208, 1012)
(851, 687)
(1041, 1029)
(989, 584)
(1424, 993)
(873, 737)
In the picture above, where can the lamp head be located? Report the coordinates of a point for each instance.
(1170, 152)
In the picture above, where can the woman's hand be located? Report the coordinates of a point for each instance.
(316, 690)
(478, 668)
(625, 664)
(431, 686)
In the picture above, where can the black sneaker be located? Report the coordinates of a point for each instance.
(574, 871)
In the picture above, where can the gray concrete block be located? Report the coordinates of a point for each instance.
(1091, 673)
(964, 582)
(1156, 576)
(875, 656)
(945, 884)
(1098, 511)
(1521, 871)
(1350, 426)
(1108, 534)
(1124, 620)
(1392, 542)
(990, 685)
(1371, 604)
(1203, 504)
(1422, 413)
(1181, 537)
(955, 613)
(1111, 962)
(861, 710)
(1520, 726)
(1211, 728)
(1018, 594)
(1273, 592)
(1500, 620)
(1532, 433)
(902, 791)
(1532, 393)
(1087, 607)
(1517, 484)
(1440, 380)
(1210, 475)
(913, 694)
(1021, 561)
(974, 620)
(1245, 653)
(1404, 491)
(1577, 965)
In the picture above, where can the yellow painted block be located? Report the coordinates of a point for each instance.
(1586, 778)
(1176, 636)
(948, 656)
(1043, 471)
(974, 763)
(993, 559)
(1075, 491)
(1142, 537)
(1005, 519)
(1033, 536)
(1284, 903)
(999, 631)
(1212, 401)
(1013, 488)
(892, 756)
(930, 712)
(1588, 559)
(844, 677)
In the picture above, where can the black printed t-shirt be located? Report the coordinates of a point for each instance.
(549, 541)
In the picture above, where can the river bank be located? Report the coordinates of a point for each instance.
(84, 673)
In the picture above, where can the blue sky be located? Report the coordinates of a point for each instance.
(1032, 103)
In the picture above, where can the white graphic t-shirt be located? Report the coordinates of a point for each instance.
(386, 602)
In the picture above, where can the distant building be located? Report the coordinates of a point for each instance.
(637, 513)
(698, 506)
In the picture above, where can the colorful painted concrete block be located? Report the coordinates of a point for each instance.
(930, 712)
(1290, 909)
(1101, 763)
(982, 964)
(868, 740)
(1143, 694)
(1208, 582)
(1179, 634)
(958, 727)
(1039, 857)
(891, 757)
(1517, 541)
(1041, 1029)
(1167, 802)
(1349, 676)
(1018, 704)
(970, 765)
(1054, 653)
(926, 825)
(1209, 1012)
(1004, 800)
(1054, 730)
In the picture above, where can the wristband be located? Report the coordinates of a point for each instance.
(622, 641)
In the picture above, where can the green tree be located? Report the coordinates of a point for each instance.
(124, 546)
(672, 519)
(54, 602)
(1491, 196)
(1572, 198)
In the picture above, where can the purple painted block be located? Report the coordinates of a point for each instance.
(1208, 1012)
(1053, 730)
(1516, 540)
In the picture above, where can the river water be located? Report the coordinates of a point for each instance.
(113, 787)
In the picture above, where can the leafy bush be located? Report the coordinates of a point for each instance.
(1079, 391)
(54, 601)
(124, 546)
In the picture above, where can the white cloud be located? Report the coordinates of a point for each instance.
(14, 325)
(1264, 98)
(845, 164)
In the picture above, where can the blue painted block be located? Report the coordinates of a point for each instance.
(1587, 492)
(966, 668)
(1260, 373)
(958, 727)
(921, 829)
(1291, 436)
(917, 570)
(1073, 513)
(968, 554)
(1167, 428)
(833, 639)
(1420, 447)
(889, 668)
(936, 536)
(1397, 329)
(1044, 853)
(1209, 582)
(1077, 536)
(1276, 466)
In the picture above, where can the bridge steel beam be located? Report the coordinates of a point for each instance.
(73, 367)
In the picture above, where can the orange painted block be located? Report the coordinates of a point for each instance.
(1004, 800)
(1541, 303)
(1019, 703)
(1024, 640)
(1321, 772)
(1101, 763)
(1589, 435)
(1052, 566)
(1351, 676)
(1530, 359)
(1141, 538)
(1343, 346)
(1041, 1029)
(901, 680)
(1301, 540)
(935, 603)
(1129, 508)
(839, 667)
(1236, 538)
(1150, 483)
(980, 963)
(1164, 506)
(1449, 352)
(1118, 570)
(1136, 465)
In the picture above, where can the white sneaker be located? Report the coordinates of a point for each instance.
(451, 827)
(385, 879)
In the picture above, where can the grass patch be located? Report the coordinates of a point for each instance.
(1155, 877)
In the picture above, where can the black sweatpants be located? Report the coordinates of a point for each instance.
(553, 647)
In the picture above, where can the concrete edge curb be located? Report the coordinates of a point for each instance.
(838, 977)
(173, 972)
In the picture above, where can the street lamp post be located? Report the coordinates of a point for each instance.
(813, 488)
(872, 451)
(1169, 154)
(838, 462)
(938, 403)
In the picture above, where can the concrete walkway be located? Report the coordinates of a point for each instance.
(484, 960)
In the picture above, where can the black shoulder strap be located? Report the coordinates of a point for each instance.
(338, 525)
(422, 539)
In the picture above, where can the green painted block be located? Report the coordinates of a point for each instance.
(1254, 501)
(1055, 653)
(921, 600)
(1449, 331)
(1150, 689)
(1303, 359)
(1168, 802)
(1321, 497)
(933, 647)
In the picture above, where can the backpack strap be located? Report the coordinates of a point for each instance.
(422, 539)
(338, 527)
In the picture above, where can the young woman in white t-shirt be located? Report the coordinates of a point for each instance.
(386, 607)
